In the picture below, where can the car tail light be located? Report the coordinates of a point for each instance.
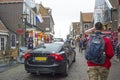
(57, 57)
(26, 55)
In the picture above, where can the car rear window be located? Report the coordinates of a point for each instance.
(58, 40)
(49, 47)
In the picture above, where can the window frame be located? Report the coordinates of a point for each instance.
(13, 46)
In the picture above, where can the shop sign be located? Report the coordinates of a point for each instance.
(20, 31)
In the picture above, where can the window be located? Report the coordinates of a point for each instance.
(2, 44)
(13, 40)
(86, 26)
(3, 40)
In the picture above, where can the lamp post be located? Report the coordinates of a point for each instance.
(24, 17)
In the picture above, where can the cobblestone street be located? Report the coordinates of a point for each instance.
(77, 72)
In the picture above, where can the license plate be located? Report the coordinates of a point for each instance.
(40, 58)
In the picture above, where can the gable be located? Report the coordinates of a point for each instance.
(43, 10)
(87, 17)
(2, 27)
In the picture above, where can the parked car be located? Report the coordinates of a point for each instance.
(58, 40)
(50, 58)
(21, 52)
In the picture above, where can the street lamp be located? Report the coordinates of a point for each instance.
(24, 17)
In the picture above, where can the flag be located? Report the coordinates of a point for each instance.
(39, 18)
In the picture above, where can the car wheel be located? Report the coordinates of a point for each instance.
(65, 73)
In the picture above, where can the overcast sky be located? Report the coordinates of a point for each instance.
(65, 12)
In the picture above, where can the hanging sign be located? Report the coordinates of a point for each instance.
(20, 31)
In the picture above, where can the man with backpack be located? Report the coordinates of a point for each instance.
(98, 53)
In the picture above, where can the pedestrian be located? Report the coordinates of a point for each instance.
(68, 41)
(84, 42)
(100, 71)
(117, 51)
(72, 41)
(80, 42)
(76, 42)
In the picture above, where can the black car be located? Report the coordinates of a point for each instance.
(50, 58)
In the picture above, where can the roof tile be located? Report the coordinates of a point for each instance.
(2, 27)
(87, 17)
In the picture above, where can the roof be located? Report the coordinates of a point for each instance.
(43, 10)
(74, 24)
(9, 1)
(2, 27)
(87, 17)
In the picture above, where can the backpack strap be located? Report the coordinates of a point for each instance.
(103, 42)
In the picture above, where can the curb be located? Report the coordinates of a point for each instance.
(4, 67)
